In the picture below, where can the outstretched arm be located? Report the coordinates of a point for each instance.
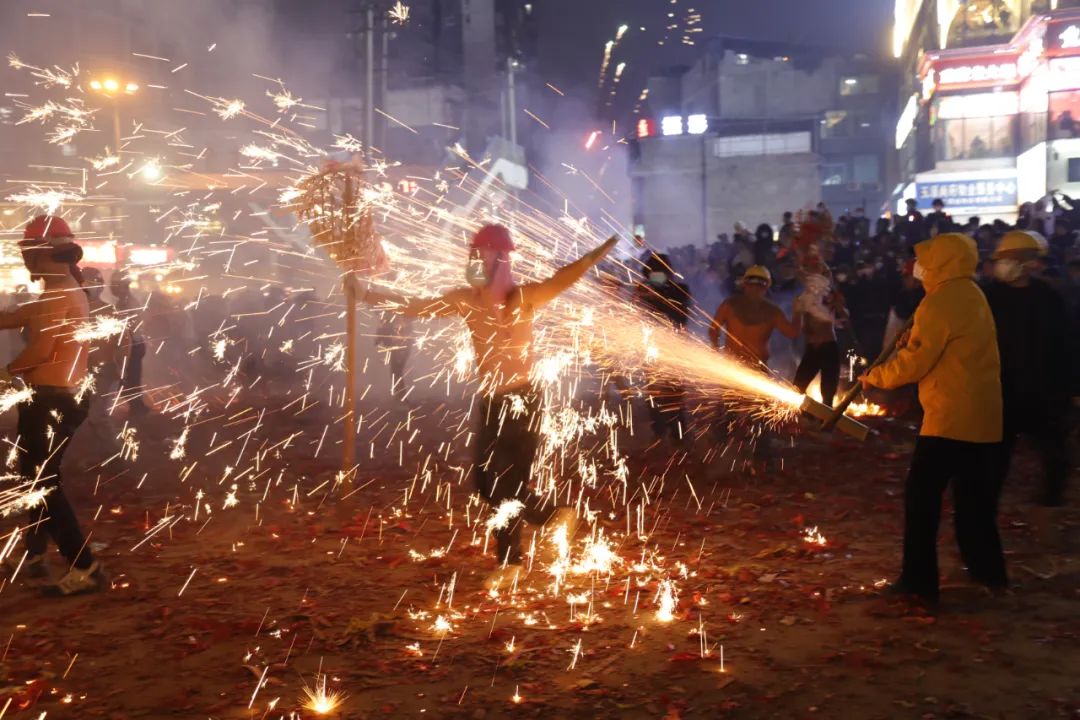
(543, 292)
(443, 306)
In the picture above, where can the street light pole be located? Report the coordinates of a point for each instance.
(116, 126)
(112, 89)
(369, 102)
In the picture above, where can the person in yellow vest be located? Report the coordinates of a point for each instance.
(952, 354)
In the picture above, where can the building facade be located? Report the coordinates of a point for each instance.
(990, 93)
(753, 129)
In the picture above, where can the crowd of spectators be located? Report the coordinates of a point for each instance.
(870, 263)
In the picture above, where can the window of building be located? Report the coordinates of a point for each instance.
(1064, 118)
(859, 85)
(833, 174)
(1074, 169)
(866, 170)
(835, 125)
(974, 138)
(979, 20)
(863, 126)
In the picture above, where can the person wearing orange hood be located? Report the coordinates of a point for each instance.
(952, 354)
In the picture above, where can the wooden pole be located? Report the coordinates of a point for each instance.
(348, 454)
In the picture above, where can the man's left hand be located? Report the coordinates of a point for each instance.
(864, 379)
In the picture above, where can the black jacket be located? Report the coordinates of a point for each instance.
(1032, 331)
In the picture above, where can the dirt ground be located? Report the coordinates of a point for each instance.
(229, 614)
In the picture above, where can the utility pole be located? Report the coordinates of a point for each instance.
(511, 68)
(369, 70)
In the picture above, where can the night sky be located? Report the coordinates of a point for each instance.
(573, 32)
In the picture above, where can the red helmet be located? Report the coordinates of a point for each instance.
(48, 230)
(494, 237)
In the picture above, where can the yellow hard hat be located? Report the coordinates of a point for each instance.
(758, 272)
(1021, 240)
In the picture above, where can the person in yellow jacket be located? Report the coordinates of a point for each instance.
(952, 354)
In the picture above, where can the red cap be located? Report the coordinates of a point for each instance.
(47, 230)
(494, 237)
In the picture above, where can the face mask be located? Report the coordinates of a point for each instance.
(918, 272)
(1007, 270)
(841, 277)
(657, 278)
(476, 273)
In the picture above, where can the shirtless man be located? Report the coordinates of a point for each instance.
(749, 319)
(499, 315)
(53, 364)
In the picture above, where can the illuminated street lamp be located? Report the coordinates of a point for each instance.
(112, 88)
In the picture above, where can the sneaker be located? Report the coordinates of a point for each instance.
(78, 582)
(505, 577)
(900, 590)
(31, 568)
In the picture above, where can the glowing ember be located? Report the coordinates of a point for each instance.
(12, 396)
(667, 601)
(812, 536)
(399, 13)
(320, 700)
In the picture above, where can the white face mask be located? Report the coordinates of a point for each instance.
(1007, 270)
(476, 273)
(918, 272)
(657, 278)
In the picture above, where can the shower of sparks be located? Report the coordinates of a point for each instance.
(399, 13)
(594, 332)
(104, 162)
(179, 446)
(283, 100)
(101, 327)
(320, 700)
(46, 77)
(20, 498)
(12, 396)
(48, 200)
(228, 109)
(86, 385)
(667, 601)
(257, 152)
(507, 511)
(129, 444)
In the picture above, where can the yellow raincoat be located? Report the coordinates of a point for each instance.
(952, 351)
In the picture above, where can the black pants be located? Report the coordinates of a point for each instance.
(40, 462)
(1049, 432)
(972, 468)
(667, 409)
(506, 445)
(133, 374)
(823, 358)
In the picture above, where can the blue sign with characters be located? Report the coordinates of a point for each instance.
(959, 192)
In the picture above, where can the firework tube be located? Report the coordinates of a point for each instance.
(853, 393)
